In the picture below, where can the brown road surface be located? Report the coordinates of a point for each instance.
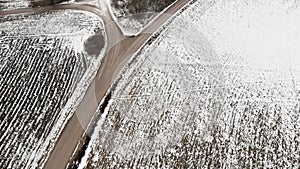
(119, 50)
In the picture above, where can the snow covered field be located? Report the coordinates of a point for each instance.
(219, 88)
(46, 66)
(13, 4)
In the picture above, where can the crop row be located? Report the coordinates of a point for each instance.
(43, 73)
(36, 81)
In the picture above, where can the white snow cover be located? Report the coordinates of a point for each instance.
(219, 87)
(13, 4)
(76, 28)
(71, 106)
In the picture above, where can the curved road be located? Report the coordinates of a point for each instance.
(119, 50)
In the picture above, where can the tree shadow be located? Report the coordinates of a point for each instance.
(36, 3)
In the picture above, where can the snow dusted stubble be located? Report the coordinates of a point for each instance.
(158, 68)
(44, 72)
(219, 87)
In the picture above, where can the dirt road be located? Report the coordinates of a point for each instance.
(120, 50)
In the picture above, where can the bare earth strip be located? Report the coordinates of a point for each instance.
(113, 62)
